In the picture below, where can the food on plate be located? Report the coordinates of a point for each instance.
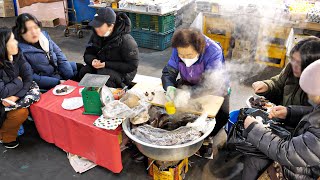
(62, 90)
(260, 103)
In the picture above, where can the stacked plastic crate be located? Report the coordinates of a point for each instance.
(152, 31)
(272, 44)
(218, 29)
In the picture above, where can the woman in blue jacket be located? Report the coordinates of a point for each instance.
(15, 82)
(50, 66)
(200, 63)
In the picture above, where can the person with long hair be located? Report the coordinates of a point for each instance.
(15, 82)
(284, 89)
(50, 66)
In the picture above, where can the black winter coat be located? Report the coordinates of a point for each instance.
(299, 156)
(119, 50)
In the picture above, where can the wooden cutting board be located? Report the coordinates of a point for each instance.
(210, 104)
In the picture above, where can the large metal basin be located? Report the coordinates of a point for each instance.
(167, 153)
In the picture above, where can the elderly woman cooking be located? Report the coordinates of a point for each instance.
(195, 57)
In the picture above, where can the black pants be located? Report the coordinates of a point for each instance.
(76, 77)
(114, 81)
(254, 167)
(222, 116)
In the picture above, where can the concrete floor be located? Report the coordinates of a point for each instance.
(36, 159)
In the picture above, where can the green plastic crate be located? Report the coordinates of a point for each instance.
(152, 40)
(161, 24)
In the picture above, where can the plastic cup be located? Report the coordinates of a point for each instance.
(170, 108)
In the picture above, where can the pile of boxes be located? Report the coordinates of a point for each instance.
(6, 8)
(145, 7)
(206, 6)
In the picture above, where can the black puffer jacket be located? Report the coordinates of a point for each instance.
(119, 50)
(299, 156)
(10, 84)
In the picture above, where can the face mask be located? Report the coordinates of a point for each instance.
(107, 34)
(312, 103)
(190, 62)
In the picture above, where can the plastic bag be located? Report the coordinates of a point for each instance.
(116, 109)
(140, 109)
(106, 95)
(237, 141)
(201, 123)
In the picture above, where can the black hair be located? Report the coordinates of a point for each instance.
(20, 27)
(309, 50)
(309, 53)
(5, 34)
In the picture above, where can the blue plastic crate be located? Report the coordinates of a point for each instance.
(21, 130)
(152, 40)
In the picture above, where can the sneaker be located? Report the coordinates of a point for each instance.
(11, 145)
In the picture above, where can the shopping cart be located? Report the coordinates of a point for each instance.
(71, 24)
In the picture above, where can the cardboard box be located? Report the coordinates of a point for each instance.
(177, 173)
(7, 8)
(50, 22)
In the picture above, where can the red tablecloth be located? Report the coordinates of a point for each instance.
(74, 132)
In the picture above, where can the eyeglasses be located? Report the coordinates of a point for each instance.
(295, 62)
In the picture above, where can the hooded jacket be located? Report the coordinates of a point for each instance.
(119, 50)
(48, 68)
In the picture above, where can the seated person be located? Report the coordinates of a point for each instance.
(286, 84)
(111, 49)
(50, 66)
(193, 57)
(15, 81)
(299, 155)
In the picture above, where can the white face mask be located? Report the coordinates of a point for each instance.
(190, 62)
(107, 34)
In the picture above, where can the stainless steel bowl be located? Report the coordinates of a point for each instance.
(167, 153)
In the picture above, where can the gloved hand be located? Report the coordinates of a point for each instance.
(171, 93)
